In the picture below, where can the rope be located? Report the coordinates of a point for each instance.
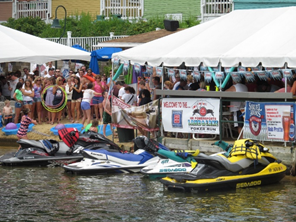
(43, 134)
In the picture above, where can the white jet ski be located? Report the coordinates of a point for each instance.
(106, 160)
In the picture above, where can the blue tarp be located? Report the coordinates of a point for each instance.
(79, 47)
(103, 54)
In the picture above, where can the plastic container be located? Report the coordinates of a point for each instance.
(100, 129)
(78, 126)
(14, 131)
(125, 135)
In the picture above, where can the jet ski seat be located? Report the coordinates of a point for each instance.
(50, 146)
(221, 162)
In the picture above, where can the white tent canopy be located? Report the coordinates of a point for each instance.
(249, 37)
(16, 46)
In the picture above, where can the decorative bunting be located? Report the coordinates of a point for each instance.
(227, 69)
(249, 76)
(159, 71)
(287, 73)
(137, 67)
(203, 68)
(219, 76)
(241, 69)
(215, 69)
(261, 75)
(116, 60)
(125, 66)
(208, 76)
(275, 74)
(171, 72)
(196, 75)
(149, 70)
(236, 77)
(183, 74)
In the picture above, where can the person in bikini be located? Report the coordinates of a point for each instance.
(7, 112)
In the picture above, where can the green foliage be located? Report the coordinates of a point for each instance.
(82, 25)
(33, 26)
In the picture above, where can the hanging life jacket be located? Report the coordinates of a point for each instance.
(69, 136)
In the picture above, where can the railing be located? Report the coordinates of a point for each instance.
(40, 8)
(127, 9)
(86, 42)
(215, 8)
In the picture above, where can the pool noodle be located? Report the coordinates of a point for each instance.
(119, 71)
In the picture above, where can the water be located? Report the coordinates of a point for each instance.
(48, 194)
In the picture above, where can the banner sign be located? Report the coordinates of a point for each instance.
(183, 74)
(159, 71)
(131, 117)
(191, 115)
(269, 121)
(196, 75)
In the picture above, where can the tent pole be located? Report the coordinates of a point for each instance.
(112, 101)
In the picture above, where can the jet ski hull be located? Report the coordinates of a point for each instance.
(273, 173)
(106, 169)
(166, 167)
(57, 160)
(92, 166)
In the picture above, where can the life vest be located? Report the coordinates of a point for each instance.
(90, 78)
(69, 136)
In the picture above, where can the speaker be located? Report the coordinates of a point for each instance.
(171, 25)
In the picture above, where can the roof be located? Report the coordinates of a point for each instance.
(135, 40)
(242, 37)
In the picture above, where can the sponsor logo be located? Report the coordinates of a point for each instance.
(177, 118)
(164, 161)
(172, 170)
(248, 184)
(97, 154)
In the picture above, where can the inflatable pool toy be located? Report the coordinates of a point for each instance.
(60, 126)
(100, 129)
(11, 126)
(90, 78)
(78, 126)
(8, 131)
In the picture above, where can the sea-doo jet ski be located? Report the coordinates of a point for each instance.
(245, 164)
(175, 161)
(170, 162)
(52, 152)
(105, 160)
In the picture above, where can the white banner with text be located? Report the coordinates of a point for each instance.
(191, 115)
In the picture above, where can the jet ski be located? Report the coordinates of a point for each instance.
(102, 161)
(245, 164)
(53, 153)
(169, 163)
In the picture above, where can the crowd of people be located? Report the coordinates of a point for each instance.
(87, 97)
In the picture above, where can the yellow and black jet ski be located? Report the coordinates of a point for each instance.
(245, 164)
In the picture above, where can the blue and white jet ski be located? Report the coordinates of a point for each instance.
(106, 160)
